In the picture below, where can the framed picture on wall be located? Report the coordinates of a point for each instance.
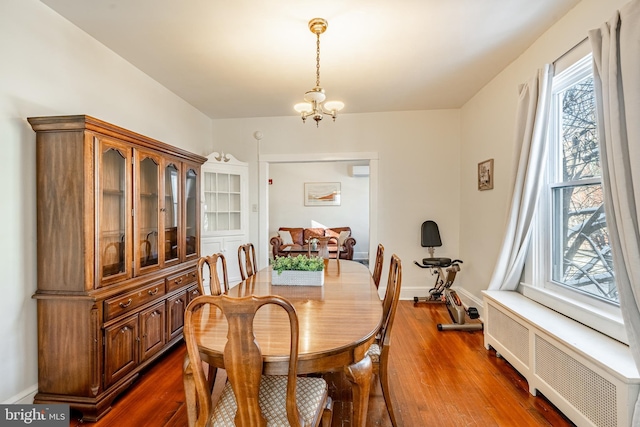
(485, 175)
(322, 194)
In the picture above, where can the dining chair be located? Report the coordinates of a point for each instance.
(247, 260)
(250, 398)
(377, 269)
(215, 286)
(379, 350)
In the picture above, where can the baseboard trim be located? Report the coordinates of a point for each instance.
(360, 256)
(26, 396)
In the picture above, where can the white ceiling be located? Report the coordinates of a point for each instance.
(251, 58)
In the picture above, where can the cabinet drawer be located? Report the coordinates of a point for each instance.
(116, 306)
(180, 280)
(192, 293)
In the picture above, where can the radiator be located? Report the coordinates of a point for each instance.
(563, 360)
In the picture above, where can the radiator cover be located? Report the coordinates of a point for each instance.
(559, 364)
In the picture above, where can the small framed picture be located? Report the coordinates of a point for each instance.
(322, 194)
(485, 175)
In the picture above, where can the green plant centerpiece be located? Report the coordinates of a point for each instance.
(298, 263)
(299, 270)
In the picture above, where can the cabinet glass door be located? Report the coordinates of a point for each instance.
(222, 204)
(114, 205)
(147, 219)
(210, 206)
(171, 212)
(191, 213)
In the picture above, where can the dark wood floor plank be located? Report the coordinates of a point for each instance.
(437, 378)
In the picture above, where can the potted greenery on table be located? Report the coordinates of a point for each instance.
(299, 270)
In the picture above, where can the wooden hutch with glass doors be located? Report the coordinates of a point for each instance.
(118, 219)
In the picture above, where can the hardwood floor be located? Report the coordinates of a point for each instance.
(437, 379)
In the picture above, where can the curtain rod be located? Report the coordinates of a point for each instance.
(574, 47)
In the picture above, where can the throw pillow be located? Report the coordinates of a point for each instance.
(342, 237)
(286, 237)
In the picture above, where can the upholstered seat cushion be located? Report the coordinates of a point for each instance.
(310, 394)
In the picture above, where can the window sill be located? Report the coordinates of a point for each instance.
(605, 322)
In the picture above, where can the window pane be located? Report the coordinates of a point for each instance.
(580, 151)
(581, 253)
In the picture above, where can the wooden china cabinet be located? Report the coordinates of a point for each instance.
(118, 240)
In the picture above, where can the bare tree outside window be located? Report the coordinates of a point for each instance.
(581, 253)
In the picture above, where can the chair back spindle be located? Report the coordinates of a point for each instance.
(377, 269)
(247, 260)
(215, 285)
(391, 297)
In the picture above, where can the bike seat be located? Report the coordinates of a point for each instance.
(436, 262)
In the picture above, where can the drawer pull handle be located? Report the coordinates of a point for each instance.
(152, 292)
(126, 304)
(195, 292)
(178, 281)
(124, 330)
(179, 301)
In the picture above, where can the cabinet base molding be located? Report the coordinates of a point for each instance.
(92, 409)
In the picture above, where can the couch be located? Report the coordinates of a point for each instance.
(295, 241)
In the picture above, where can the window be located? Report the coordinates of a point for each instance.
(580, 252)
(572, 262)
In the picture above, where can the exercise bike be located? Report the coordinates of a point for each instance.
(441, 292)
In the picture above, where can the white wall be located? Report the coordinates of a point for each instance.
(286, 200)
(487, 132)
(418, 177)
(50, 67)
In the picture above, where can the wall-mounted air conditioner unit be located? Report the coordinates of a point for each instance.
(362, 170)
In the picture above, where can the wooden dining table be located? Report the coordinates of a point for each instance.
(338, 322)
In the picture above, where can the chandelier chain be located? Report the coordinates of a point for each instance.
(318, 60)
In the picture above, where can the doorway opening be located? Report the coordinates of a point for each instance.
(288, 163)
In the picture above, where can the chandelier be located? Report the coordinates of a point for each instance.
(315, 106)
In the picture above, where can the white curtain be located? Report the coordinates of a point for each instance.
(532, 117)
(616, 56)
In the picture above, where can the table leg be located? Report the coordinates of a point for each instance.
(359, 374)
